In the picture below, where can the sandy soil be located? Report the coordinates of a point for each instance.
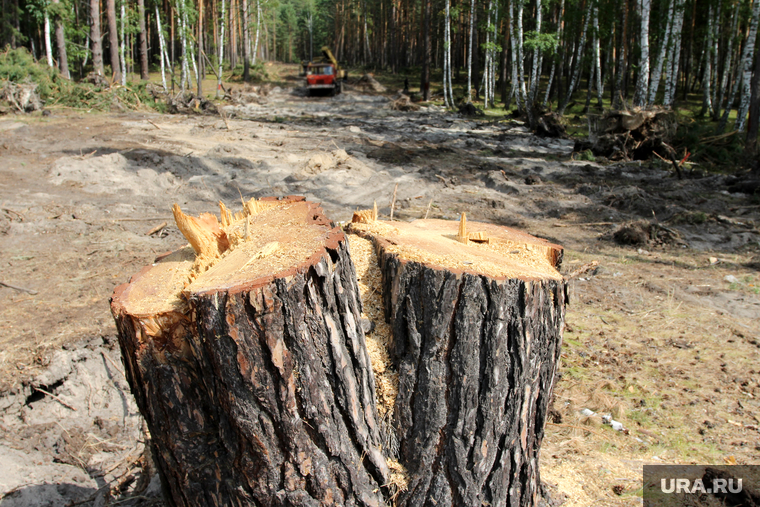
(663, 336)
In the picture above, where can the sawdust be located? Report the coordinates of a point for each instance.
(380, 339)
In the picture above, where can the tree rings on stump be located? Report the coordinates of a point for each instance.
(246, 356)
(476, 313)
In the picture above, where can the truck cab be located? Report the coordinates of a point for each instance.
(322, 76)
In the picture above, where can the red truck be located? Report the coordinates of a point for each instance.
(326, 75)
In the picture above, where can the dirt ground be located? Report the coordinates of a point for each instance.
(663, 335)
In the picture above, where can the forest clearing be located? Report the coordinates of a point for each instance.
(614, 140)
(661, 333)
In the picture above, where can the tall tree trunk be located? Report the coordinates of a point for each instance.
(221, 53)
(597, 59)
(728, 67)
(200, 71)
(619, 96)
(671, 79)
(60, 40)
(113, 40)
(48, 44)
(246, 44)
(707, 71)
(425, 78)
(578, 59)
(522, 89)
(468, 92)
(535, 76)
(664, 46)
(559, 59)
(122, 48)
(142, 37)
(642, 84)
(258, 30)
(754, 110)
(162, 48)
(747, 61)
(715, 61)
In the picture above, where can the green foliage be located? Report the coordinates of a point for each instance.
(546, 42)
(17, 65)
(587, 156)
(257, 73)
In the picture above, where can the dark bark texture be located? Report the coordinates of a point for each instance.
(477, 360)
(264, 396)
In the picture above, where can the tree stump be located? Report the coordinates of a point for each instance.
(476, 313)
(246, 356)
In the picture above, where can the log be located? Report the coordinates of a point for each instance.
(476, 313)
(246, 356)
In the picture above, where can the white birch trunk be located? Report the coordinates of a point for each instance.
(246, 35)
(122, 47)
(597, 58)
(671, 79)
(258, 30)
(48, 43)
(728, 69)
(559, 41)
(642, 84)
(162, 48)
(221, 51)
(748, 56)
(536, 74)
(715, 51)
(521, 60)
(494, 53)
(469, 52)
(513, 43)
(578, 56)
(657, 72)
(449, 99)
(707, 74)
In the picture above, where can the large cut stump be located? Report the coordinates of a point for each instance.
(476, 313)
(246, 356)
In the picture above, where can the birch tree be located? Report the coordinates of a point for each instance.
(221, 51)
(578, 56)
(671, 78)
(642, 84)
(560, 27)
(162, 47)
(664, 46)
(469, 52)
(535, 76)
(747, 59)
(707, 70)
(246, 43)
(727, 67)
(48, 44)
(122, 48)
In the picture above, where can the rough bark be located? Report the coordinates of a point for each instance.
(142, 40)
(747, 63)
(60, 41)
(113, 40)
(261, 393)
(476, 357)
(96, 37)
(642, 84)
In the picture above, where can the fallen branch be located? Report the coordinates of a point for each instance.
(156, 229)
(21, 289)
(56, 398)
(588, 224)
(576, 427)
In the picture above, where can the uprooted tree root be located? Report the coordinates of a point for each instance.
(634, 134)
(646, 233)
